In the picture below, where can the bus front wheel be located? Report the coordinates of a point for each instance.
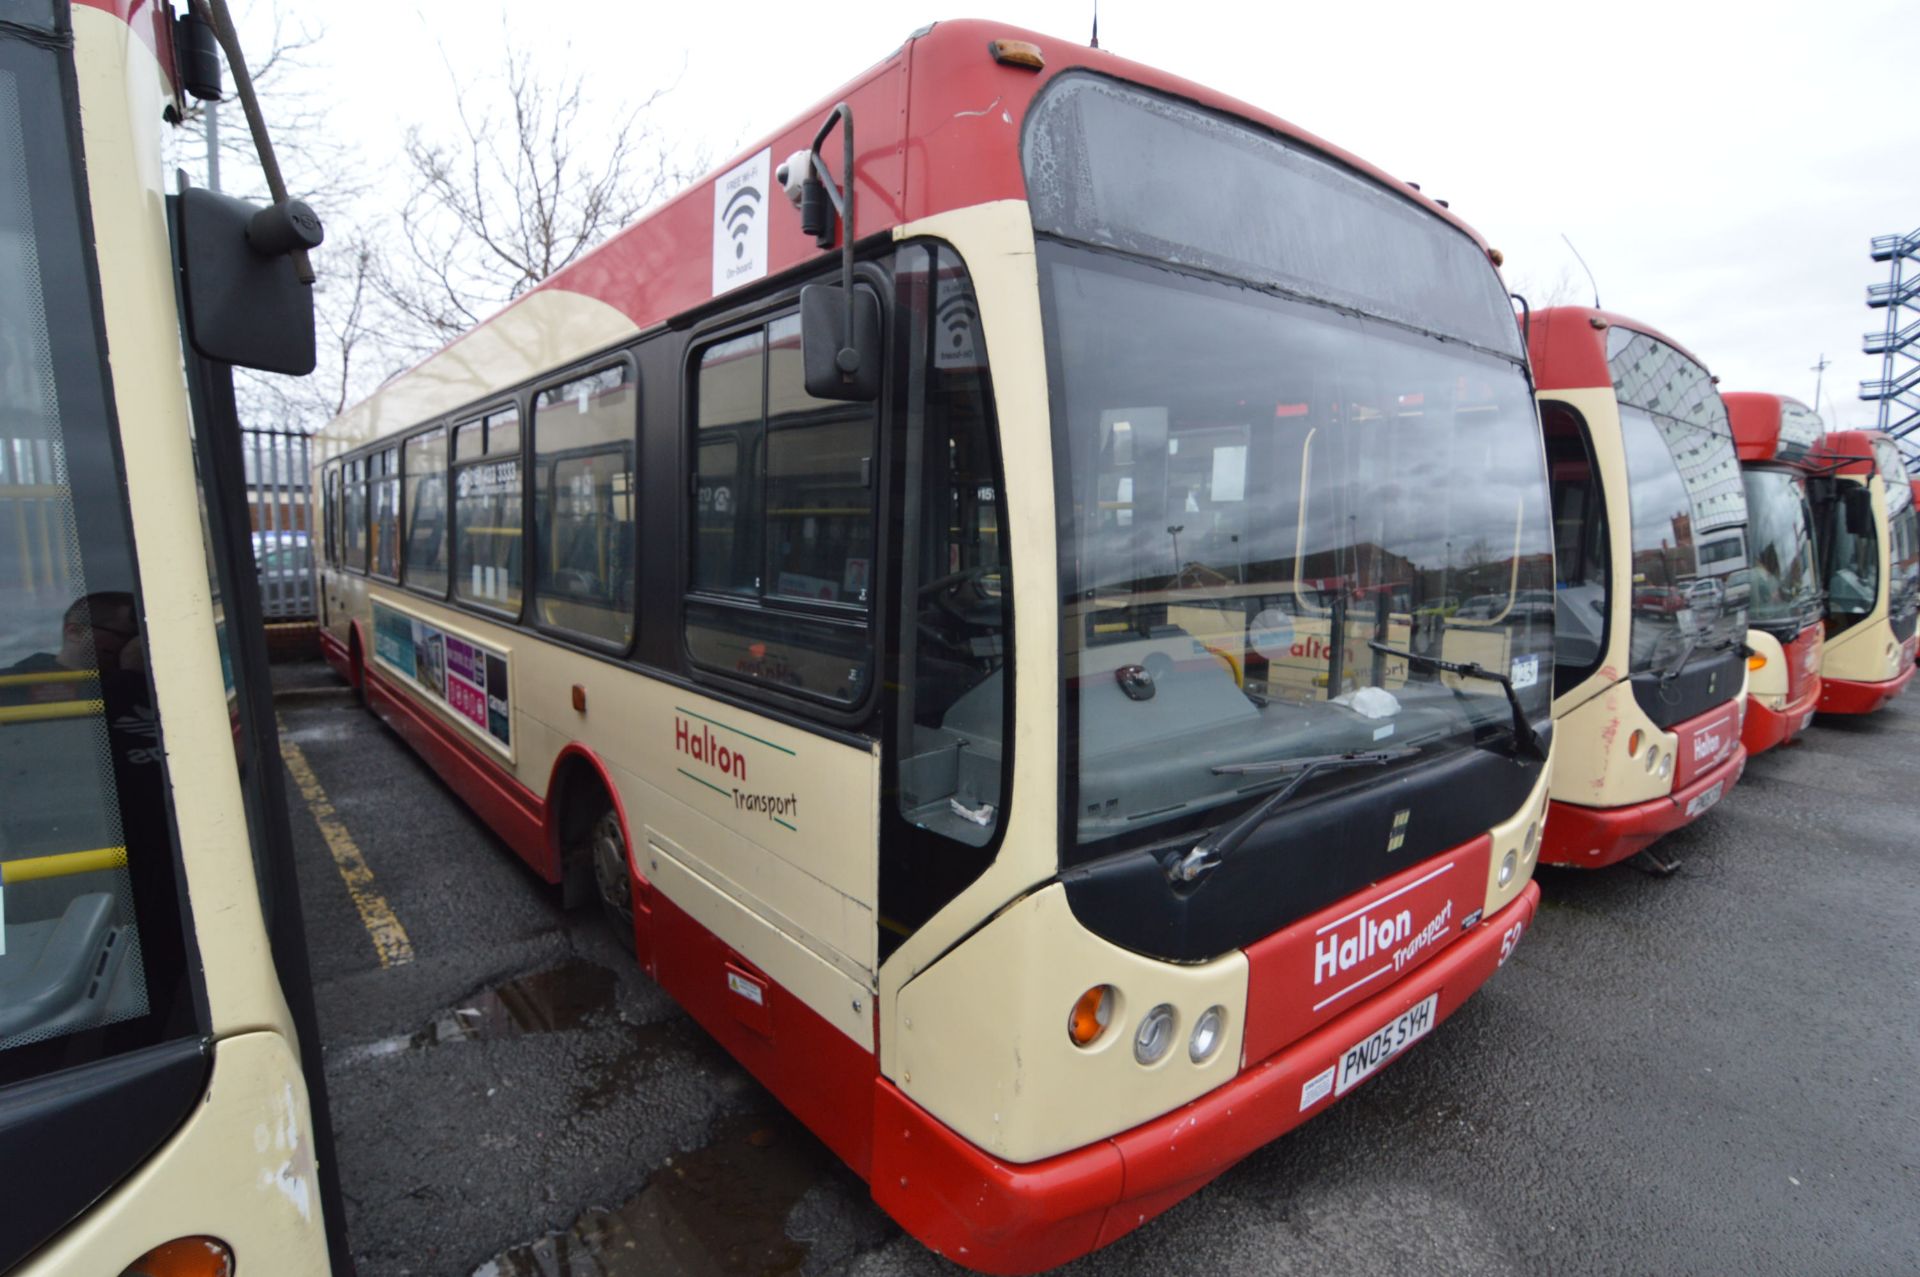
(608, 846)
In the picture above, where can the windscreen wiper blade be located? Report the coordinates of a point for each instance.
(1525, 739)
(1210, 851)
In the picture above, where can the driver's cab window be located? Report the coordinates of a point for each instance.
(1580, 547)
(956, 592)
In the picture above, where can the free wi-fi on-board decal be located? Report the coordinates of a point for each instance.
(740, 223)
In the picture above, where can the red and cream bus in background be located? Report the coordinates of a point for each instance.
(701, 570)
(1651, 555)
(1775, 437)
(1870, 555)
(161, 1108)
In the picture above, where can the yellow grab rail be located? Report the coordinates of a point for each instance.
(48, 676)
(63, 865)
(52, 709)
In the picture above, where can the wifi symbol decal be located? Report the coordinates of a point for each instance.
(956, 322)
(739, 215)
(740, 223)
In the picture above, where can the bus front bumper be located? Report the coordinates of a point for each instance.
(1845, 696)
(997, 1217)
(1595, 837)
(1766, 728)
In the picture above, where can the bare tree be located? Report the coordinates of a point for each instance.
(1564, 289)
(530, 185)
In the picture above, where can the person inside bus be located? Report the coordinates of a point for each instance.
(98, 632)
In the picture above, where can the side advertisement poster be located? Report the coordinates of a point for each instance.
(469, 678)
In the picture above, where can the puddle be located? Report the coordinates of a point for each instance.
(719, 1211)
(554, 1000)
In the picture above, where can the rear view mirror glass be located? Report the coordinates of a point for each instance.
(245, 304)
(840, 365)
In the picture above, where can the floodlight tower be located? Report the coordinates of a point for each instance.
(1898, 344)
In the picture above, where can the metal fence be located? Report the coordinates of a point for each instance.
(280, 502)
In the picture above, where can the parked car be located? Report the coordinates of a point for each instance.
(284, 562)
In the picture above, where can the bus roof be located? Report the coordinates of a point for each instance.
(1850, 451)
(937, 126)
(1763, 426)
(1567, 346)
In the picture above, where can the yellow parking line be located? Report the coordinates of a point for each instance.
(383, 928)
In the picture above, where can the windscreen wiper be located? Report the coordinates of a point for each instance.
(1673, 671)
(1525, 739)
(1210, 851)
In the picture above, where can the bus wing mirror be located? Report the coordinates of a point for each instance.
(245, 304)
(1856, 507)
(840, 364)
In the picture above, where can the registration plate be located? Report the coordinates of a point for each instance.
(1364, 1058)
(1702, 801)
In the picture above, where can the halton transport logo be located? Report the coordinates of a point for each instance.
(719, 760)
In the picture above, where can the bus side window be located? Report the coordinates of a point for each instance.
(355, 514)
(486, 510)
(1580, 547)
(583, 447)
(385, 492)
(425, 556)
(952, 688)
(783, 512)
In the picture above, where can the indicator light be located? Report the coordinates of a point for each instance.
(1756, 662)
(1091, 1013)
(1634, 742)
(1154, 1038)
(184, 1257)
(1018, 53)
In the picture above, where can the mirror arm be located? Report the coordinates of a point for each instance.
(842, 201)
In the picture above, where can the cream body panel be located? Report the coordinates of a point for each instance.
(824, 873)
(541, 333)
(996, 242)
(982, 1037)
(241, 1169)
(818, 881)
(1601, 412)
(1866, 651)
(843, 1001)
(126, 195)
(1591, 766)
(1511, 836)
(1768, 684)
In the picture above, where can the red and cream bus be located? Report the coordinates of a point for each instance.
(999, 668)
(1870, 555)
(1650, 527)
(1775, 437)
(161, 1108)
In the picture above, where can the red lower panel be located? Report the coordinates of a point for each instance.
(1000, 1218)
(513, 811)
(1767, 728)
(336, 653)
(1594, 837)
(1846, 696)
(1703, 742)
(823, 1077)
(1324, 964)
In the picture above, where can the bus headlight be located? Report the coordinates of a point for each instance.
(1206, 1034)
(1666, 767)
(1507, 866)
(1653, 758)
(1532, 845)
(1154, 1038)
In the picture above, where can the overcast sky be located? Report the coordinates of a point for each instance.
(1720, 166)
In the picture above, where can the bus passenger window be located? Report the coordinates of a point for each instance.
(782, 522)
(385, 492)
(426, 509)
(819, 525)
(356, 514)
(955, 598)
(583, 447)
(486, 511)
